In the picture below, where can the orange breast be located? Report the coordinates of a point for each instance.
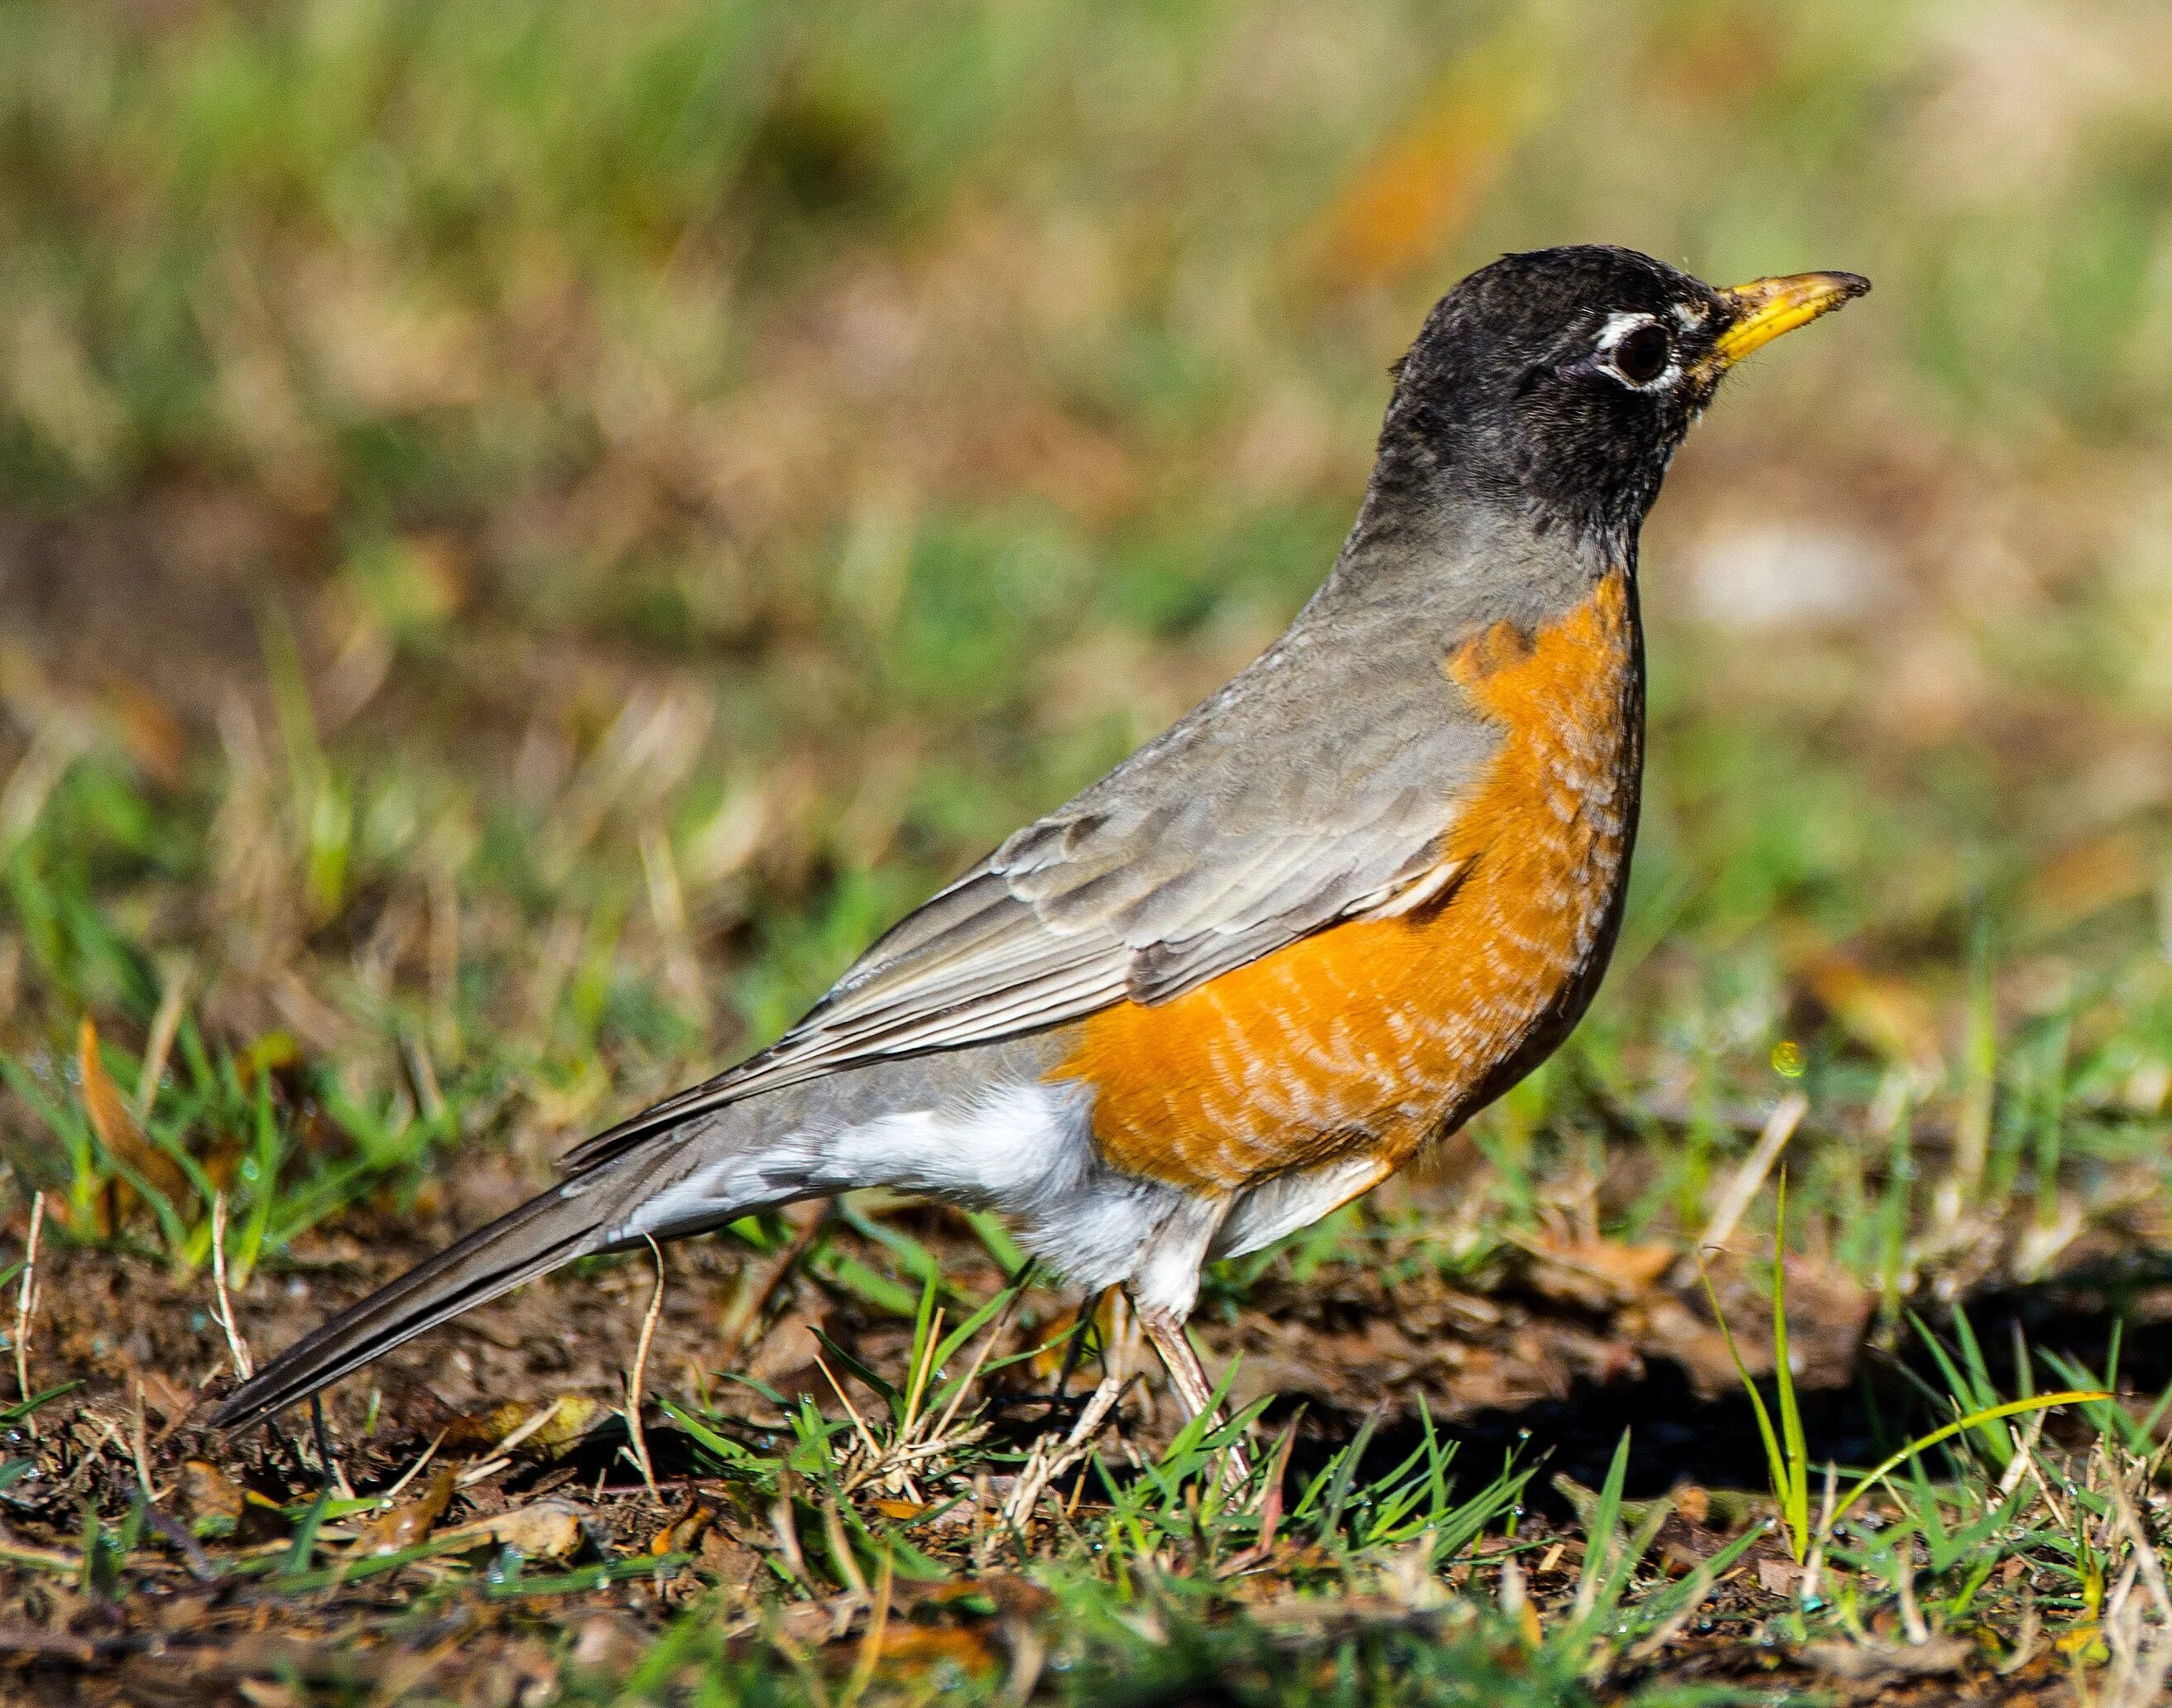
(1370, 1035)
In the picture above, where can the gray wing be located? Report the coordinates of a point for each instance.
(1303, 793)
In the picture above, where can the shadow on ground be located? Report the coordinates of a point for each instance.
(1677, 1436)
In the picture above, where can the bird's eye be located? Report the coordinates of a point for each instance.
(1642, 356)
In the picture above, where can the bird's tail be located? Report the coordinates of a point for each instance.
(587, 1214)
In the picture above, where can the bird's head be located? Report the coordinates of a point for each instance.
(1561, 381)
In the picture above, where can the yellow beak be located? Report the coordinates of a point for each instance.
(1764, 308)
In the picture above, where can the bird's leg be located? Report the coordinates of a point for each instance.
(1186, 1371)
(1163, 1288)
(1090, 1311)
(1120, 1350)
(1181, 1360)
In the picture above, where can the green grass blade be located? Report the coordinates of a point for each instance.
(1599, 1535)
(2011, 1408)
(1981, 1391)
(1795, 1456)
(1967, 1390)
(885, 1295)
(722, 1447)
(1346, 1470)
(303, 1548)
(892, 1396)
(956, 1340)
(1463, 1525)
(1775, 1463)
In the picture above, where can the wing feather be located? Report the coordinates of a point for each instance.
(1276, 809)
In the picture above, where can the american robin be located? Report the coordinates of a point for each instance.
(1332, 913)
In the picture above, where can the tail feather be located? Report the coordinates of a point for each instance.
(786, 1145)
(552, 1229)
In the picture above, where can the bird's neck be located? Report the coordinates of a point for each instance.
(1455, 547)
(1439, 475)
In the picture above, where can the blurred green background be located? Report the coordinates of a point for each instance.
(528, 532)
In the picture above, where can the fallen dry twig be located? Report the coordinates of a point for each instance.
(640, 1373)
(1741, 1190)
(26, 1302)
(244, 1366)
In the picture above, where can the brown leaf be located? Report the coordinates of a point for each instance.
(915, 1652)
(116, 1128)
(410, 1522)
(543, 1530)
(730, 1560)
(1632, 1268)
(1595, 1274)
(684, 1533)
(786, 1349)
(1944, 1653)
(168, 1400)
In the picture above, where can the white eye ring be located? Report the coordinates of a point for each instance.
(1617, 328)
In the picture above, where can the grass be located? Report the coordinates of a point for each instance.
(528, 536)
(1787, 1456)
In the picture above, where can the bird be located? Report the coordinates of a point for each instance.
(1324, 918)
